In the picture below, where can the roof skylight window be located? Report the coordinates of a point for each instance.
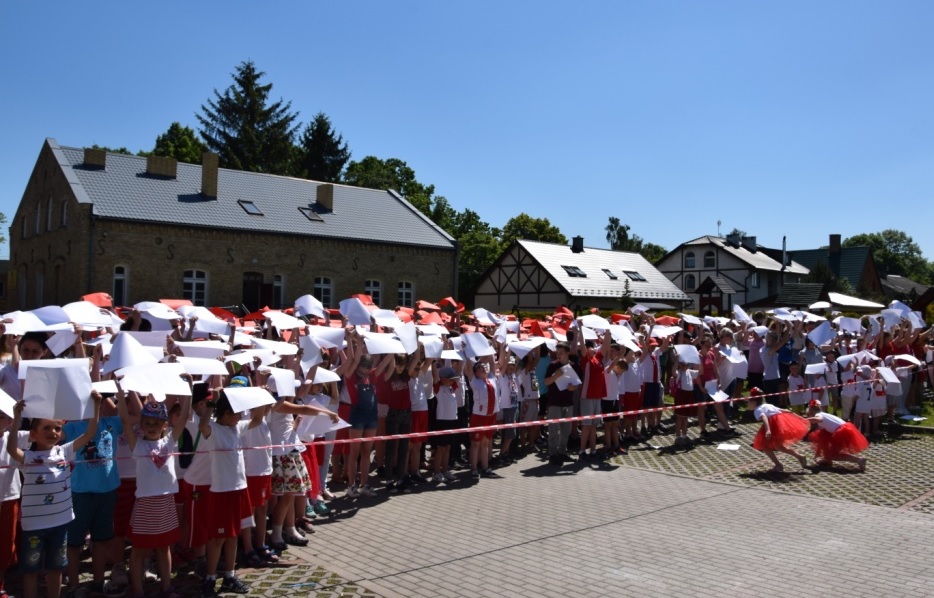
(249, 207)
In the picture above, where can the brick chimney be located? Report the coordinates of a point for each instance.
(324, 195)
(750, 244)
(209, 165)
(161, 166)
(834, 243)
(95, 158)
(577, 244)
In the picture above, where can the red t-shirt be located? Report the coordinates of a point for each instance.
(596, 381)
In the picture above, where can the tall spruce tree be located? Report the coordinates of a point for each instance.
(180, 143)
(322, 153)
(245, 129)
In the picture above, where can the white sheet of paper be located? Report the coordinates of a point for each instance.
(51, 314)
(452, 355)
(58, 392)
(154, 338)
(816, 368)
(523, 348)
(594, 321)
(25, 364)
(888, 375)
(740, 315)
(723, 446)
(432, 329)
(244, 398)
(326, 336)
(485, 317)
(159, 311)
(433, 345)
(621, 332)
(158, 379)
(202, 349)
(916, 322)
(822, 334)
(688, 318)
(307, 305)
(900, 307)
(283, 321)
(311, 352)
(386, 318)
(909, 358)
(355, 312)
(383, 343)
(105, 387)
(712, 386)
(215, 326)
(312, 426)
(408, 336)
(568, 378)
(850, 325)
(665, 331)
(243, 356)
(277, 347)
(477, 345)
(283, 381)
(202, 366)
(761, 330)
(323, 376)
(720, 396)
(891, 317)
(61, 341)
(6, 405)
(26, 321)
(688, 354)
(88, 315)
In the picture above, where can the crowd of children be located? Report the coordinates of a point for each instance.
(195, 477)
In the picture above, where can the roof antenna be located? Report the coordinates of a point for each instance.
(718, 227)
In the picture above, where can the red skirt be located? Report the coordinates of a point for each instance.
(310, 457)
(845, 440)
(787, 429)
(632, 401)
(419, 426)
(684, 397)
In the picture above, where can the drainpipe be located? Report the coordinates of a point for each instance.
(90, 252)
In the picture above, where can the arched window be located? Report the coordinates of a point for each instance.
(689, 260)
(195, 286)
(406, 294)
(690, 283)
(373, 289)
(324, 291)
(48, 215)
(64, 213)
(36, 225)
(709, 260)
(119, 294)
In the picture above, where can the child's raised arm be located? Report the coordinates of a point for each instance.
(12, 438)
(91, 430)
(124, 411)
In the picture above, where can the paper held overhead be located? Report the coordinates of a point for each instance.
(244, 398)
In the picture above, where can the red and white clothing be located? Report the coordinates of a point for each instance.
(785, 428)
(797, 391)
(835, 437)
(46, 491)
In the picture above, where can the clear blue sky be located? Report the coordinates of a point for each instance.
(794, 118)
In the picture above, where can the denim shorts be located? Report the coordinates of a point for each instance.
(363, 417)
(43, 549)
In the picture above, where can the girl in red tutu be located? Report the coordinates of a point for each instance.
(780, 430)
(835, 439)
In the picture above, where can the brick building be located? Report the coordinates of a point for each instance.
(149, 228)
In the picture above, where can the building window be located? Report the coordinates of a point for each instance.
(40, 289)
(48, 215)
(310, 214)
(278, 291)
(406, 294)
(690, 283)
(22, 234)
(324, 291)
(754, 281)
(35, 227)
(119, 288)
(249, 207)
(574, 272)
(634, 275)
(610, 274)
(372, 288)
(64, 213)
(689, 260)
(195, 286)
(709, 260)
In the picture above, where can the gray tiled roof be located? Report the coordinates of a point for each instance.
(124, 191)
(759, 260)
(552, 256)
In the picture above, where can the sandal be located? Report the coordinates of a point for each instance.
(278, 546)
(254, 560)
(267, 555)
(296, 541)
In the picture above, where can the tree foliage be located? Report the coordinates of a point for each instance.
(524, 226)
(895, 253)
(322, 152)
(617, 235)
(180, 143)
(375, 173)
(822, 274)
(112, 150)
(245, 129)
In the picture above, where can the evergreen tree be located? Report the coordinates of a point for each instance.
(322, 155)
(244, 129)
(180, 143)
(392, 173)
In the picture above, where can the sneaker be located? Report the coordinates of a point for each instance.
(449, 477)
(234, 585)
(367, 491)
(475, 475)
(555, 460)
(107, 588)
(305, 526)
(489, 473)
(320, 508)
(437, 478)
(310, 511)
(295, 540)
(208, 588)
(353, 492)
(392, 487)
(118, 575)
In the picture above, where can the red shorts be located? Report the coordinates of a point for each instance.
(343, 411)
(9, 517)
(228, 510)
(481, 420)
(632, 401)
(126, 498)
(197, 510)
(419, 426)
(259, 488)
(310, 457)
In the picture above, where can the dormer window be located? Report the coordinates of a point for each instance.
(249, 207)
(574, 272)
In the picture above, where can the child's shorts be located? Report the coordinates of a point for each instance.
(529, 410)
(443, 439)
(259, 488)
(590, 407)
(343, 410)
(477, 421)
(43, 549)
(197, 510)
(509, 417)
(94, 513)
(228, 510)
(9, 517)
(608, 406)
(419, 426)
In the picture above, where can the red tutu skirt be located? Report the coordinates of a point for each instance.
(845, 440)
(787, 429)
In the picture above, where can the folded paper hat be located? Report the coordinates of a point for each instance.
(154, 410)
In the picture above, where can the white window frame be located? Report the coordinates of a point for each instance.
(406, 294)
(324, 291)
(690, 288)
(374, 288)
(124, 278)
(196, 278)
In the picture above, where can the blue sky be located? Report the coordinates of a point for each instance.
(779, 118)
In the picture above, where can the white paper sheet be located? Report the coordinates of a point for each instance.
(283, 321)
(158, 379)
(408, 336)
(523, 348)
(568, 378)
(307, 305)
(477, 345)
(88, 315)
(822, 334)
(687, 354)
(383, 343)
(6, 405)
(58, 392)
(326, 336)
(282, 380)
(244, 398)
(433, 346)
(202, 349)
(201, 366)
(355, 312)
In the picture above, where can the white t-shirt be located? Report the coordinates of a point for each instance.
(482, 405)
(228, 471)
(528, 386)
(11, 485)
(612, 383)
(797, 395)
(418, 400)
(508, 390)
(829, 422)
(258, 461)
(124, 456)
(849, 387)
(651, 366)
(765, 410)
(155, 467)
(199, 472)
(631, 380)
(47, 487)
(281, 433)
(447, 402)
(686, 379)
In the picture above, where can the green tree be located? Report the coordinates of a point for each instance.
(321, 153)
(652, 252)
(112, 150)
(617, 235)
(822, 274)
(894, 253)
(180, 143)
(738, 232)
(245, 129)
(524, 226)
(374, 173)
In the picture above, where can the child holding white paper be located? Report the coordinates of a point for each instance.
(11, 485)
(154, 523)
(46, 508)
(448, 401)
